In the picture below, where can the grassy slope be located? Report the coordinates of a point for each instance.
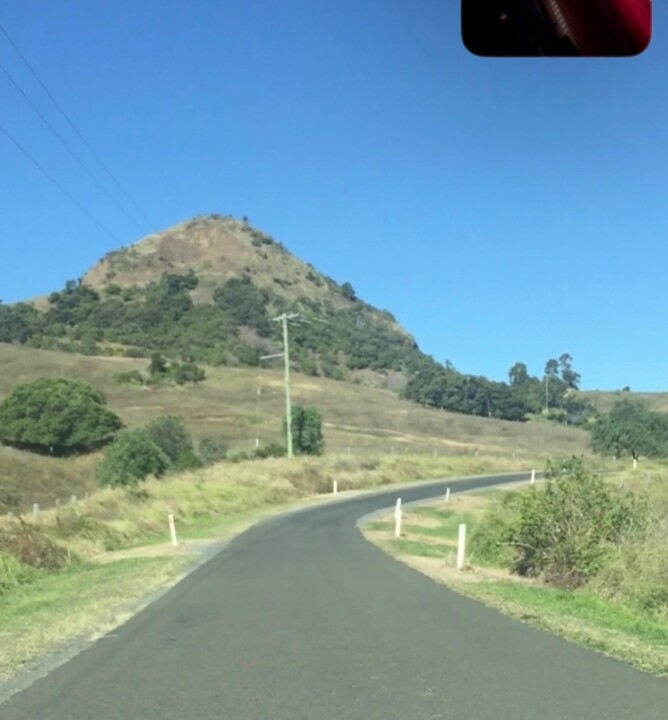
(429, 541)
(359, 420)
(604, 400)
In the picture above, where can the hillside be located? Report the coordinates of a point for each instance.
(208, 290)
(357, 420)
(604, 400)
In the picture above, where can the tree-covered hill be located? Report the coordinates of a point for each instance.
(207, 291)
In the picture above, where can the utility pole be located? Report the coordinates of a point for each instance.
(286, 361)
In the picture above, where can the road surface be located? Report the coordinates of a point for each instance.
(301, 619)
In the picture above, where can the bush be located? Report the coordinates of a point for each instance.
(188, 460)
(271, 450)
(238, 456)
(186, 373)
(13, 573)
(134, 377)
(58, 416)
(566, 530)
(169, 433)
(130, 458)
(212, 450)
(492, 538)
(31, 546)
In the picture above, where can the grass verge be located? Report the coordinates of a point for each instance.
(428, 544)
(79, 601)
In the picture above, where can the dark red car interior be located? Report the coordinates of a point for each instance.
(557, 27)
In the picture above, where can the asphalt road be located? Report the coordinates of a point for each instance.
(301, 619)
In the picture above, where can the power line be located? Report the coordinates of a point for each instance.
(57, 184)
(64, 142)
(74, 127)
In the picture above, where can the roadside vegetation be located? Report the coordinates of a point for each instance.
(112, 549)
(582, 555)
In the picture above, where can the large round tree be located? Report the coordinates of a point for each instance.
(57, 416)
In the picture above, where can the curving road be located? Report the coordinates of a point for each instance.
(301, 619)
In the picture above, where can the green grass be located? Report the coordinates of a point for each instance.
(414, 547)
(83, 600)
(612, 628)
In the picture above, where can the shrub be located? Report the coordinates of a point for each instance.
(31, 546)
(13, 573)
(169, 433)
(130, 458)
(565, 530)
(58, 416)
(270, 451)
(212, 450)
(133, 377)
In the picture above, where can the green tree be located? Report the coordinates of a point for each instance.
(158, 366)
(518, 374)
(131, 457)
(552, 368)
(632, 429)
(568, 375)
(348, 291)
(169, 433)
(57, 416)
(307, 437)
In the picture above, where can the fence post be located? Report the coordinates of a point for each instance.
(397, 519)
(461, 546)
(172, 529)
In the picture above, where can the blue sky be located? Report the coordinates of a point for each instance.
(503, 210)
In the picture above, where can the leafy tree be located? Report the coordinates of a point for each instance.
(632, 429)
(169, 433)
(568, 375)
(158, 366)
(518, 374)
(244, 303)
(552, 368)
(348, 291)
(307, 438)
(131, 457)
(57, 416)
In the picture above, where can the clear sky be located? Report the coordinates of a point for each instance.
(503, 210)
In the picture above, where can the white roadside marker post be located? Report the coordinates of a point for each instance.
(461, 546)
(172, 529)
(397, 519)
(533, 477)
(35, 510)
(335, 487)
(447, 495)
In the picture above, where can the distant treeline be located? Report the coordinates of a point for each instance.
(236, 328)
